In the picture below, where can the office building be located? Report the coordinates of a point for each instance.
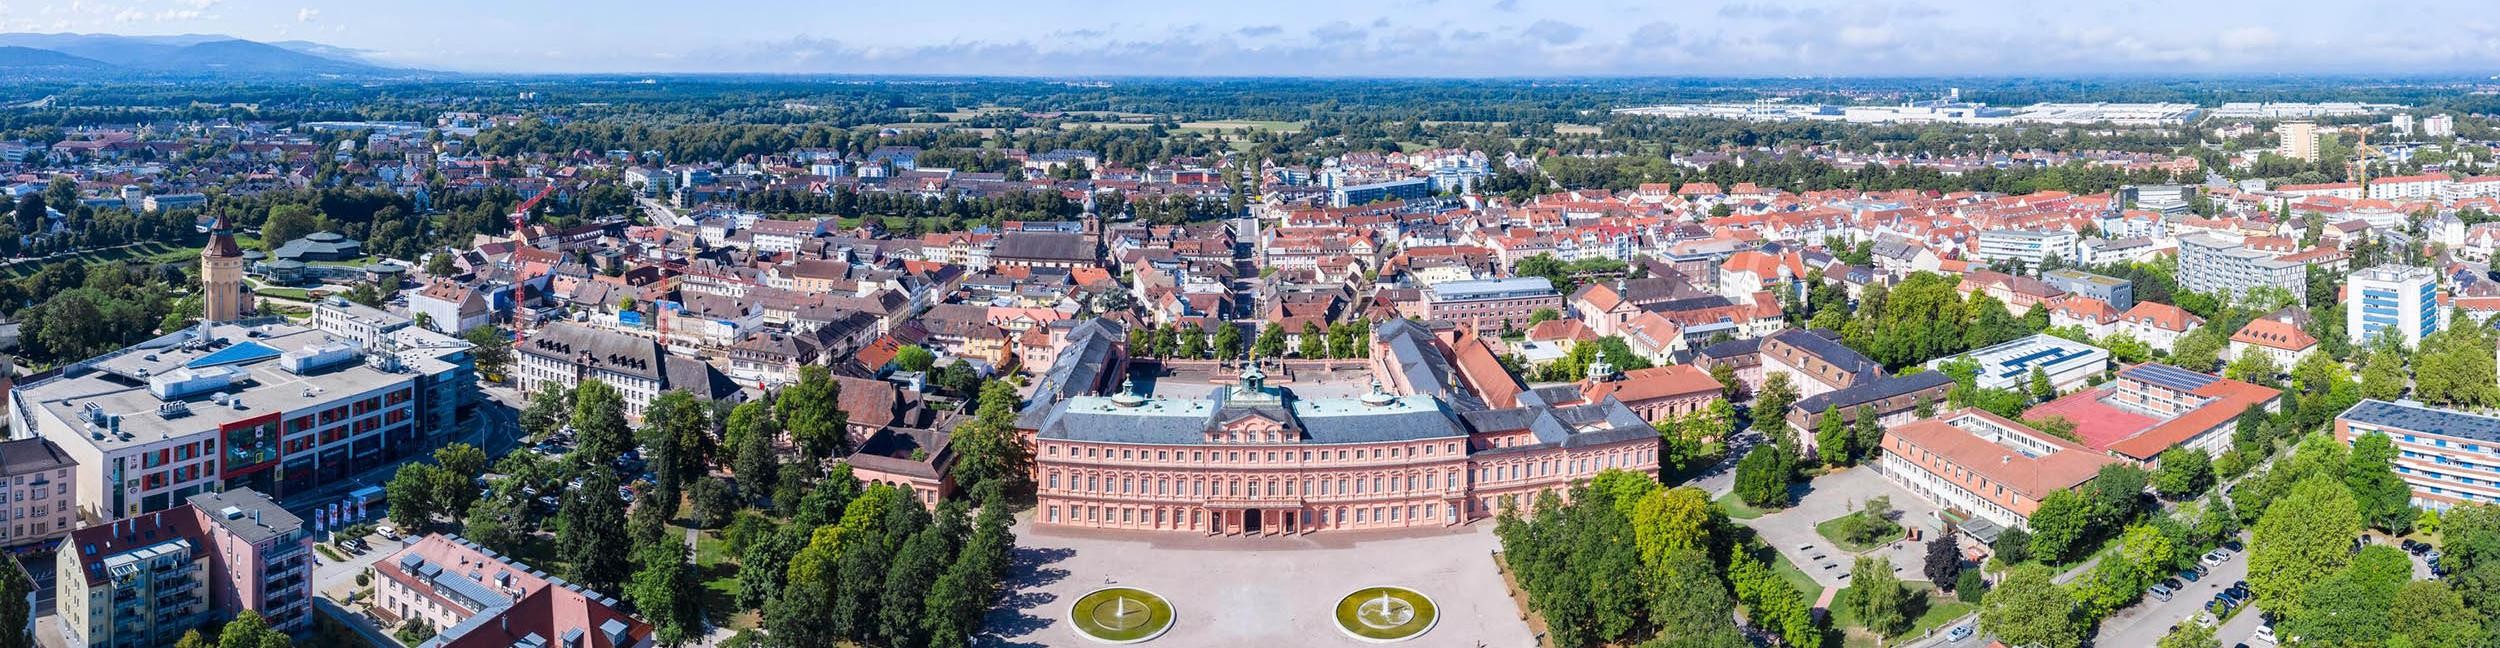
(2448, 457)
(2395, 299)
(1491, 305)
(2118, 293)
(476, 598)
(2214, 264)
(2028, 246)
(2299, 140)
(2167, 199)
(142, 582)
(258, 403)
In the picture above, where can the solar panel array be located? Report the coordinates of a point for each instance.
(2170, 377)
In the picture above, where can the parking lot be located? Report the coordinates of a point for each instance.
(2150, 618)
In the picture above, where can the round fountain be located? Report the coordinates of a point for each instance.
(1120, 615)
(1386, 614)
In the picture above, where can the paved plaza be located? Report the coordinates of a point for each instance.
(1791, 531)
(1265, 591)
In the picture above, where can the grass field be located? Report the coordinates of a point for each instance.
(1831, 530)
(149, 252)
(718, 571)
(297, 294)
(1788, 571)
(1736, 508)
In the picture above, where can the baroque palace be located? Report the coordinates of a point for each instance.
(1428, 432)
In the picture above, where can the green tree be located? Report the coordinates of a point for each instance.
(748, 441)
(1878, 597)
(2386, 502)
(590, 532)
(1762, 476)
(913, 357)
(2189, 635)
(811, 410)
(677, 432)
(1771, 403)
(1314, 343)
(2351, 606)
(2059, 526)
(15, 614)
(2255, 365)
(599, 427)
(412, 494)
(1271, 342)
(985, 447)
(249, 630)
(2029, 609)
(547, 411)
(1228, 342)
(1831, 438)
(2428, 613)
(2183, 473)
(2300, 540)
(662, 591)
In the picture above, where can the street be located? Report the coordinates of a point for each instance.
(2144, 623)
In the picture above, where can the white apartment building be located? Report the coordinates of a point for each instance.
(2439, 126)
(2413, 187)
(2299, 140)
(2210, 263)
(2028, 246)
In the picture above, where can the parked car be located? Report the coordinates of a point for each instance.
(2191, 575)
(2159, 593)
(1961, 632)
(2173, 583)
(2233, 545)
(2214, 557)
(2265, 633)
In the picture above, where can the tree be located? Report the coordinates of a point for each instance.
(287, 223)
(749, 436)
(2300, 540)
(2255, 365)
(1771, 403)
(15, 615)
(599, 428)
(1866, 434)
(500, 522)
(2189, 635)
(1831, 438)
(715, 500)
(2385, 501)
(662, 591)
(2029, 609)
(2183, 473)
(1725, 373)
(1971, 586)
(677, 431)
(811, 410)
(590, 532)
(1944, 561)
(913, 357)
(2429, 613)
(1314, 343)
(249, 630)
(2351, 606)
(547, 411)
(29, 214)
(2059, 526)
(1762, 476)
(1271, 342)
(985, 447)
(1228, 342)
(2013, 546)
(440, 264)
(412, 494)
(2041, 389)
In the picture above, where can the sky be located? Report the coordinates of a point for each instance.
(1406, 38)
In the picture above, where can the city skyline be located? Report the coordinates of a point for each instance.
(1403, 38)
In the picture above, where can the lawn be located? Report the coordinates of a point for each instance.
(297, 294)
(1835, 530)
(719, 573)
(1934, 608)
(1789, 572)
(1736, 508)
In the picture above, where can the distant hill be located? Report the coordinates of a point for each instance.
(181, 55)
(28, 58)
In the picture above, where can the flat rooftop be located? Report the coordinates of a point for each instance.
(2415, 417)
(2098, 424)
(117, 385)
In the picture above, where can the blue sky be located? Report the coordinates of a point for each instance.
(1341, 37)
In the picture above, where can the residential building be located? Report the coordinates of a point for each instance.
(2277, 337)
(2157, 324)
(2448, 457)
(1983, 467)
(36, 494)
(477, 598)
(1401, 189)
(258, 404)
(2439, 126)
(2395, 299)
(142, 582)
(1491, 305)
(1815, 361)
(450, 306)
(2217, 265)
(2299, 140)
(2027, 246)
(2412, 187)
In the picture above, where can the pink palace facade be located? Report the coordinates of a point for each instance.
(1255, 459)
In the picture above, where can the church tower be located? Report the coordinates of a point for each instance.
(221, 276)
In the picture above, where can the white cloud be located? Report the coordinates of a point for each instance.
(307, 14)
(2247, 38)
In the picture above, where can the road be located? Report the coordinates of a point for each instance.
(661, 214)
(2144, 623)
